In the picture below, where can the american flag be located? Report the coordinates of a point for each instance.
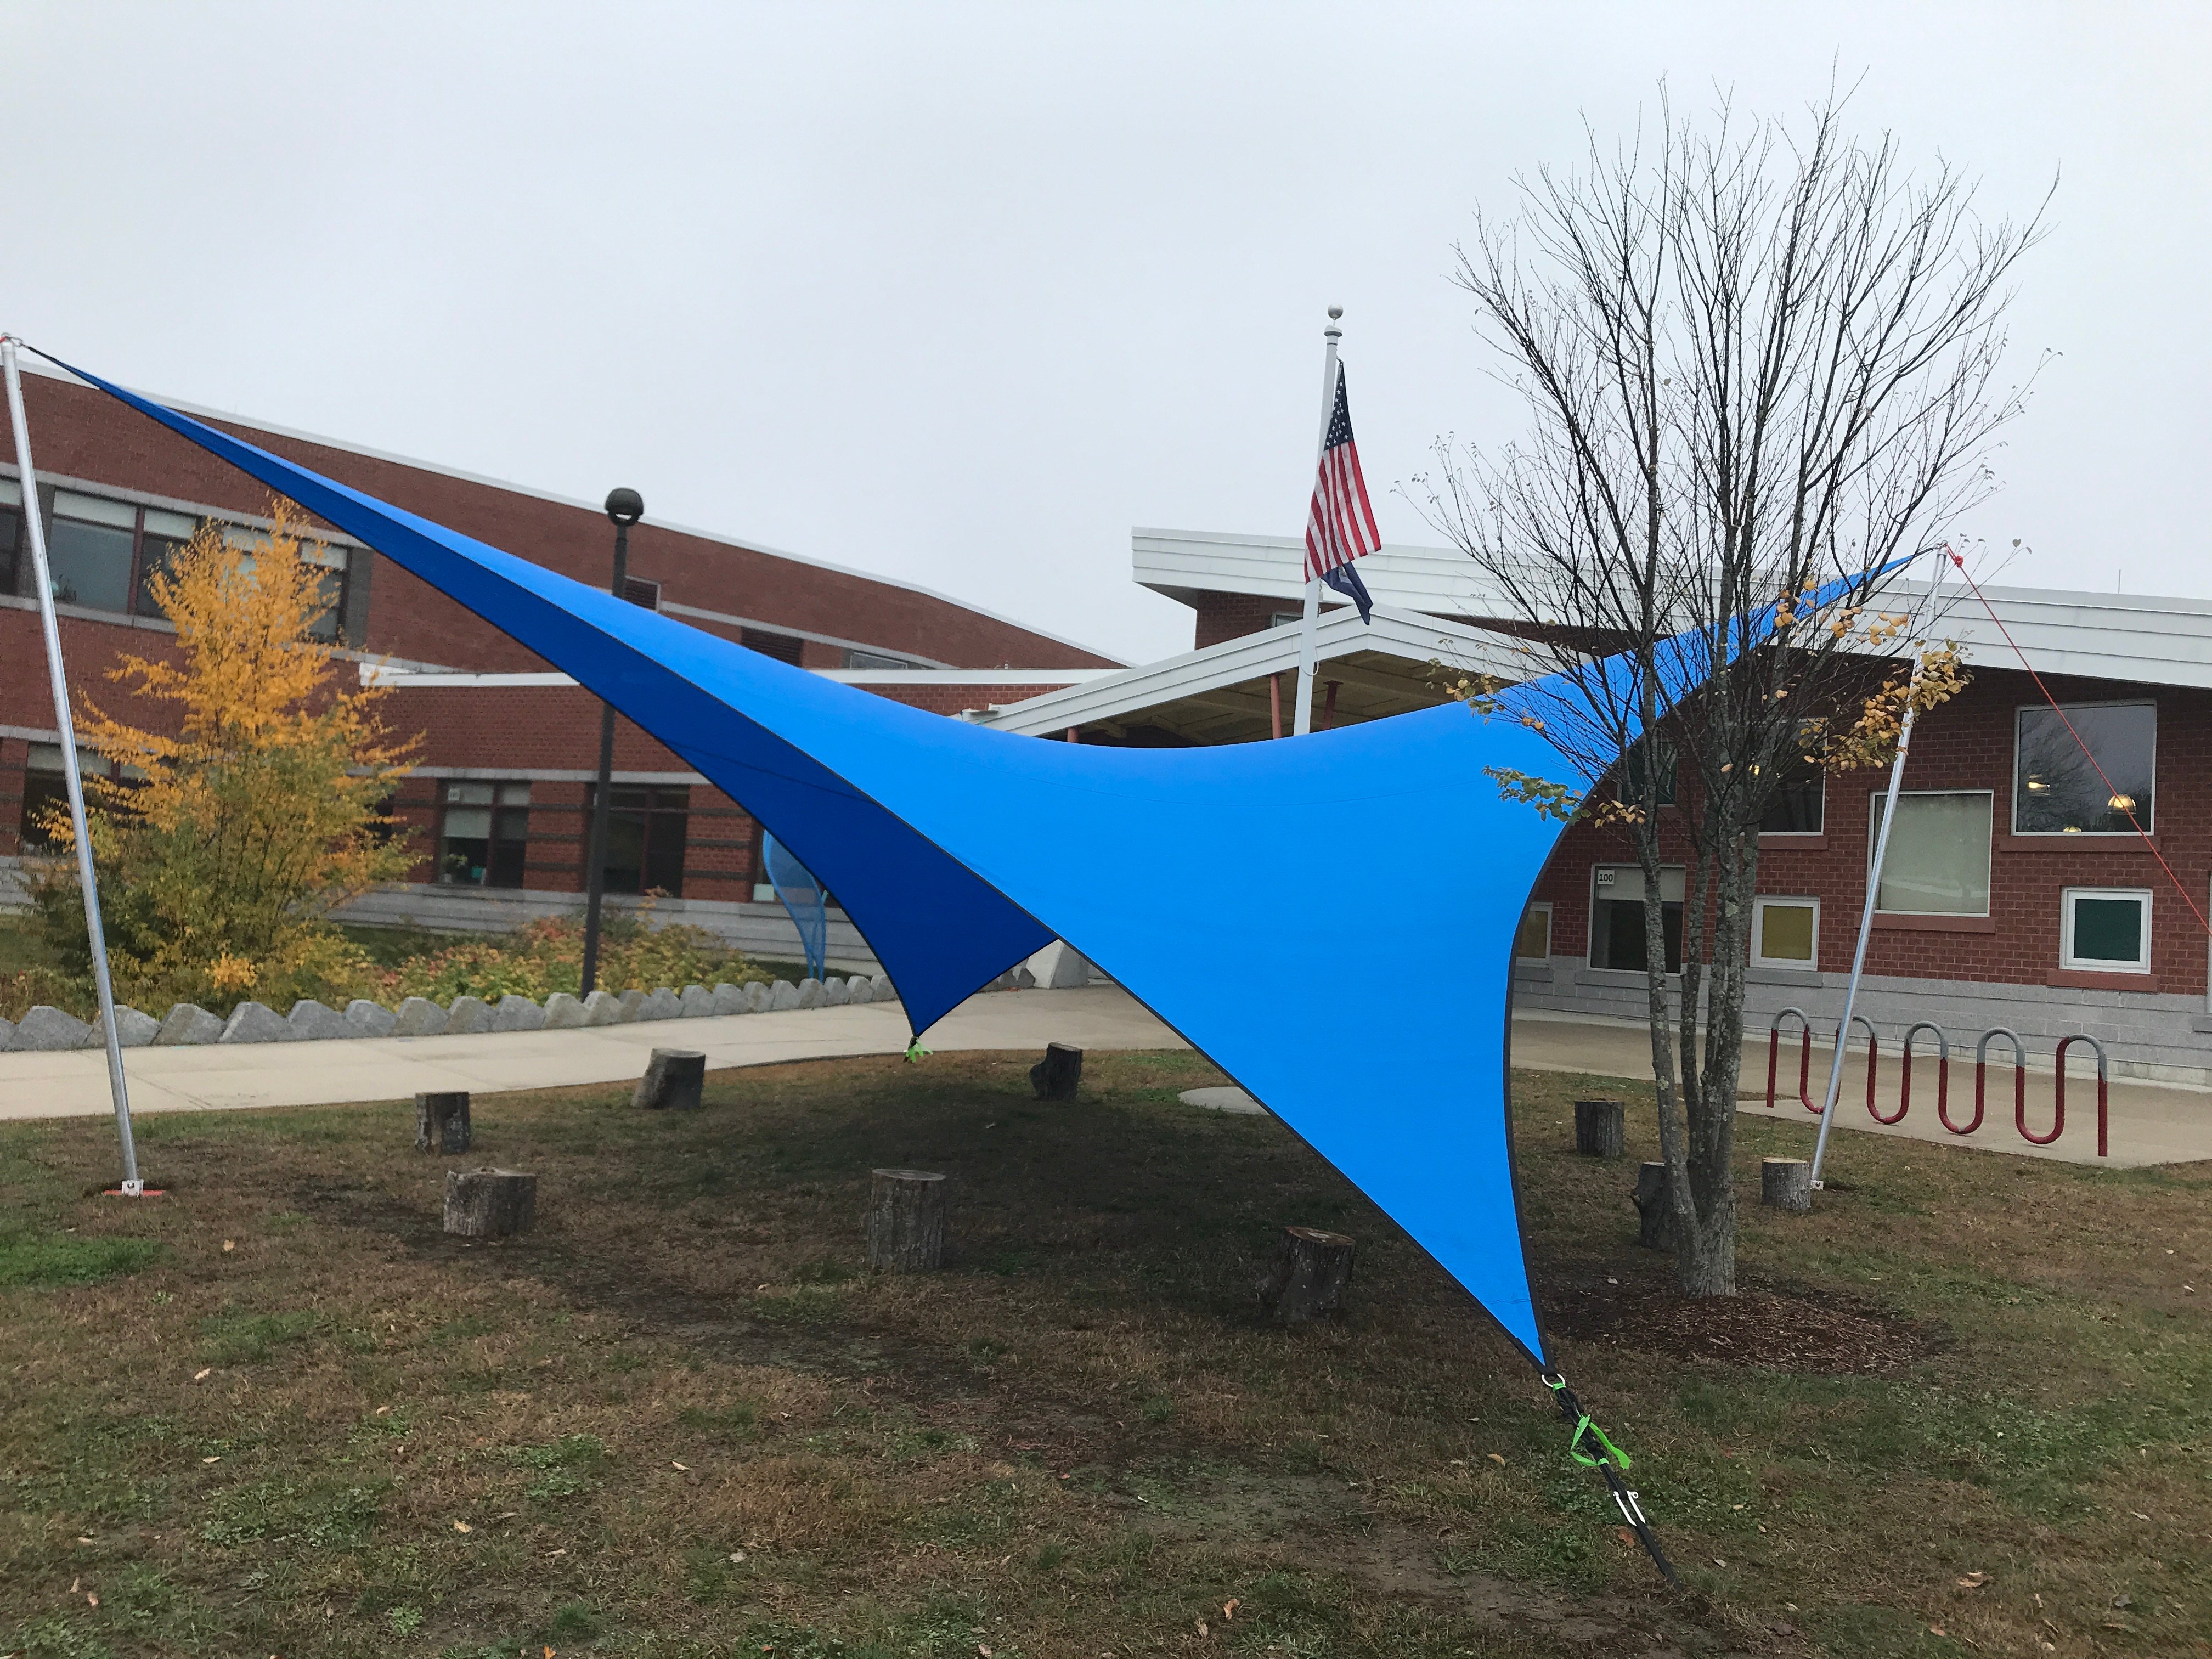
(1340, 523)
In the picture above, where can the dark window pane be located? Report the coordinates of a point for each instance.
(647, 827)
(42, 790)
(1618, 938)
(91, 564)
(11, 530)
(155, 553)
(2108, 930)
(2057, 789)
(478, 845)
(326, 625)
(1797, 810)
(1631, 774)
(664, 853)
(784, 647)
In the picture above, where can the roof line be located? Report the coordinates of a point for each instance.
(45, 366)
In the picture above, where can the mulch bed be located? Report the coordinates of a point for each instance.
(1772, 1327)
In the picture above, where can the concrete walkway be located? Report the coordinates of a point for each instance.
(328, 1072)
(2151, 1123)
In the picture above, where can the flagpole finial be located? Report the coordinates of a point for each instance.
(1335, 312)
(1332, 332)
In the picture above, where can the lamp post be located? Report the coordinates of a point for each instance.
(625, 508)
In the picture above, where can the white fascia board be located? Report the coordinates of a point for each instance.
(2129, 638)
(1183, 563)
(1254, 656)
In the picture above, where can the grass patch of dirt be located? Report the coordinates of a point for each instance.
(1961, 1408)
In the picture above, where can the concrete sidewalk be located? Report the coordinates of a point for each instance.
(332, 1072)
(2151, 1123)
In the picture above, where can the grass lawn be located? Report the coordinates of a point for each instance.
(1963, 1409)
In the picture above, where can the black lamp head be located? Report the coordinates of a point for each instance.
(625, 506)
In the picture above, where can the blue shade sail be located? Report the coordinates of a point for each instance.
(958, 851)
(803, 900)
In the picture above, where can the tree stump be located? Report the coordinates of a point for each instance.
(672, 1080)
(490, 1203)
(1600, 1130)
(1657, 1229)
(1311, 1269)
(1056, 1076)
(1786, 1183)
(907, 1210)
(441, 1121)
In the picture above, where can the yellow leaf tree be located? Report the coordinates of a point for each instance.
(222, 850)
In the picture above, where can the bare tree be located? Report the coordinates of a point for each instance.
(1758, 359)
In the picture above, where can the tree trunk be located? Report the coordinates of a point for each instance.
(1599, 1129)
(906, 1213)
(1311, 1269)
(441, 1121)
(1056, 1076)
(1786, 1183)
(490, 1203)
(1655, 1211)
(672, 1081)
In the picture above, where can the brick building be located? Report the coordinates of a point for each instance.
(499, 805)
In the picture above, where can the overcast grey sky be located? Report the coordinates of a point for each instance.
(959, 294)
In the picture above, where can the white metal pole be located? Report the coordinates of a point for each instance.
(1866, 928)
(1302, 717)
(132, 1186)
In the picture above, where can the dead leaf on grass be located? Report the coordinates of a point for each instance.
(673, 1464)
(463, 1526)
(1229, 1608)
(1973, 1581)
(203, 1375)
(228, 1245)
(1498, 1459)
(211, 1460)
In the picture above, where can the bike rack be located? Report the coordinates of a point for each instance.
(2058, 1121)
(2018, 1081)
(1905, 1082)
(1804, 1058)
(1874, 1054)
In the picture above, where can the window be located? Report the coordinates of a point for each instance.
(1285, 618)
(484, 833)
(1785, 932)
(160, 539)
(1801, 800)
(2056, 790)
(647, 826)
(1630, 788)
(2105, 930)
(334, 561)
(46, 786)
(11, 530)
(89, 550)
(1938, 862)
(874, 660)
(1534, 942)
(640, 592)
(784, 647)
(1617, 917)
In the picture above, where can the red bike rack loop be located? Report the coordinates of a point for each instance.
(1873, 1052)
(1804, 1058)
(1905, 1081)
(2019, 1080)
(2059, 1122)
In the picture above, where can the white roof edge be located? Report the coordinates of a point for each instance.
(720, 537)
(1250, 656)
(410, 679)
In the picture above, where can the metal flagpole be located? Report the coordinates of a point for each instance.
(132, 1186)
(1302, 716)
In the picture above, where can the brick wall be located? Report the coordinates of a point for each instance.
(1968, 744)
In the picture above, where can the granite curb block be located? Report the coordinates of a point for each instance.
(47, 1029)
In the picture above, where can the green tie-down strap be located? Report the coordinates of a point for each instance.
(915, 1051)
(1585, 1426)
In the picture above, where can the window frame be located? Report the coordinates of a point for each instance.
(2069, 962)
(500, 806)
(1873, 831)
(1597, 897)
(1759, 904)
(1536, 906)
(2019, 709)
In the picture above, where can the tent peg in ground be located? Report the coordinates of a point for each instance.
(907, 1212)
(1599, 1129)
